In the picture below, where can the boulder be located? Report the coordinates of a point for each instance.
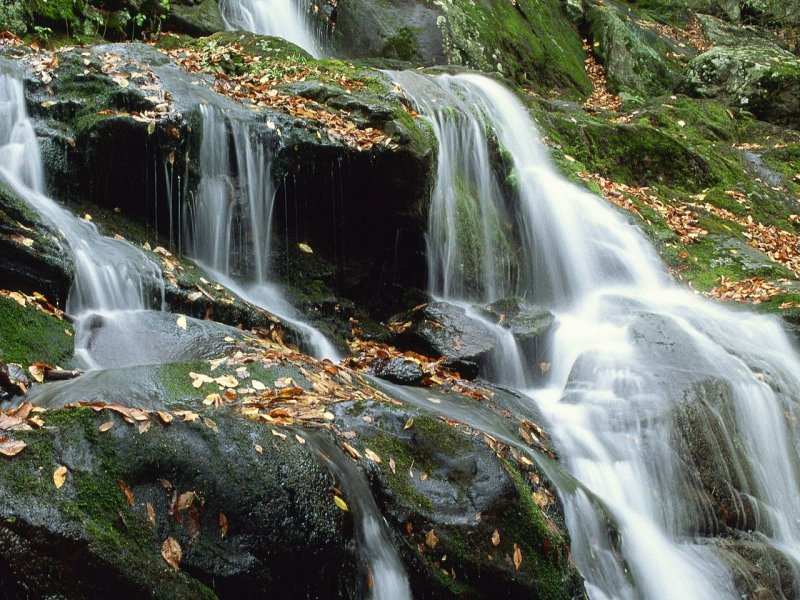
(528, 323)
(444, 329)
(400, 370)
(635, 57)
(762, 79)
(195, 18)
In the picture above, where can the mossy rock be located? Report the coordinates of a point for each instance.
(28, 335)
(202, 18)
(635, 58)
(760, 78)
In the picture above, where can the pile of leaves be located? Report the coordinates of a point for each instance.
(37, 301)
(678, 217)
(259, 86)
(366, 354)
(753, 290)
(601, 99)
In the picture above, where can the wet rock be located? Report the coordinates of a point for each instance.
(84, 540)
(402, 371)
(13, 381)
(444, 329)
(529, 324)
(195, 18)
(762, 79)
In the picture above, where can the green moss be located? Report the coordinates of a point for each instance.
(28, 335)
(399, 480)
(54, 11)
(403, 45)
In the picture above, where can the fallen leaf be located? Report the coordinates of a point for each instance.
(305, 248)
(128, 492)
(210, 424)
(372, 456)
(431, 540)
(165, 417)
(259, 449)
(517, 556)
(172, 553)
(151, 514)
(9, 447)
(340, 503)
(60, 476)
(392, 465)
(223, 524)
(423, 476)
(181, 322)
(105, 426)
(351, 451)
(228, 381)
(409, 423)
(185, 500)
(495, 538)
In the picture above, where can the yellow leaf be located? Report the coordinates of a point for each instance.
(151, 514)
(257, 385)
(259, 448)
(371, 455)
(228, 381)
(340, 503)
(185, 500)
(495, 538)
(181, 322)
(9, 447)
(105, 426)
(517, 557)
(60, 476)
(409, 423)
(172, 553)
(431, 539)
(165, 417)
(305, 248)
(392, 465)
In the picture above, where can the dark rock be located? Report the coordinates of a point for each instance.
(195, 18)
(444, 329)
(402, 371)
(528, 323)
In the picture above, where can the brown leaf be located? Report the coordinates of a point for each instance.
(351, 451)
(431, 540)
(185, 500)
(128, 492)
(60, 476)
(105, 426)
(517, 556)
(172, 553)
(9, 447)
(223, 524)
(371, 455)
(392, 465)
(151, 514)
(165, 417)
(495, 538)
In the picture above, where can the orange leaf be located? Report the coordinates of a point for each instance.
(172, 553)
(128, 492)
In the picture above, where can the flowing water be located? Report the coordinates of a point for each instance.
(114, 282)
(386, 575)
(657, 399)
(229, 230)
(288, 19)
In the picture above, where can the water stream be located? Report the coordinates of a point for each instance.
(229, 229)
(115, 284)
(288, 19)
(657, 399)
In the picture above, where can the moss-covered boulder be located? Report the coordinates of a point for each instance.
(531, 42)
(195, 18)
(635, 57)
(760, 78)
(29, 335)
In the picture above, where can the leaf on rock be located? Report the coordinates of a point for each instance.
(105, 426)
(495, 538)
(305, 248)
(60, 476)
(228, 381)
(128, 492)
(185, 500)
(517, 556)
(431, 540)
(409, 423)
(351, 451)
(372, 456)
(9, 447)
(392, 466)
(181, 322)
(340, 503)
(165, 417)
(223, 525)
(151, 514)
(172, 553)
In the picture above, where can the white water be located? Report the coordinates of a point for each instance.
(633, 357)
(114, 281)
(387, 577)
(230, 225)
(287, 19)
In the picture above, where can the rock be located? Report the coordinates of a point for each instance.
(13, 381)
(529, 41)
(761, 78)
(28, 335)
(402, 371)
(720, 33)
(530, 324)
(279, 516)
(197, 19)
(634, 56)
(444, 329)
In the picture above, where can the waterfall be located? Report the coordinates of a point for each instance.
(229, 231)
(288, 19)
(113, 280)
(680, 415)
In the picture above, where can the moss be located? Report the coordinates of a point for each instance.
(28, 335)
(403, 45)
(399, 481)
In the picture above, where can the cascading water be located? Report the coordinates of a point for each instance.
(288, 19)
(114, 282)
(679, 415)
(229, 229)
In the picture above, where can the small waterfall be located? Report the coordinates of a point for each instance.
(113, 280)
(387, 577)
(230, 226)
(288, 19)
(659, 401)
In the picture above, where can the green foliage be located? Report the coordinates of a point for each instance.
(28, 335)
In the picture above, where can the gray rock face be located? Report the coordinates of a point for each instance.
(527, 322)
(444, 329)
(400, 370)
(195, 18)
(760, 78)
